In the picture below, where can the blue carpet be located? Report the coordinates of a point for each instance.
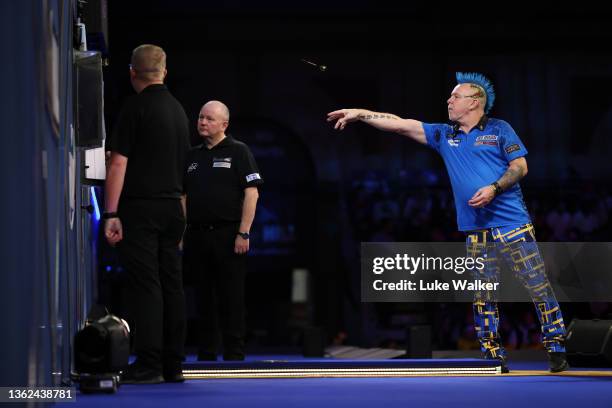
(458, 392)
(447, 392)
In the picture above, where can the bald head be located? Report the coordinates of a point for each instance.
(219, 108)
(149, 62)
(213, 121)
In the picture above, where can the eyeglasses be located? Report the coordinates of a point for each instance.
(458, 96)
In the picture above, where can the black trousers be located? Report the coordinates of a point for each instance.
(219, 278)
(152, 229)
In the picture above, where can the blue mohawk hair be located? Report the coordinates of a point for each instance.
(480, 80)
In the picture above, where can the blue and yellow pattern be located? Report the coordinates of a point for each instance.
(515, 247)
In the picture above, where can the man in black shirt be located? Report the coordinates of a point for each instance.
(145, 219)
(221, 195)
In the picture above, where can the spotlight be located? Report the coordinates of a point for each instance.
(101, 351)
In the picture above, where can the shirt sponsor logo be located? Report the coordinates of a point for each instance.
(224, 162)
(253, 176)
(453, 142)
(512, 148)
(192, 167)
(486, 140)
(452, 139)
(222, 159)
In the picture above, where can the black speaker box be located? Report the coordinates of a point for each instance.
(95, 17)
(313, 342)
(89, 113)
(589, 343)
(418, 342)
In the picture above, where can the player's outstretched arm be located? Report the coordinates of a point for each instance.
(382, 121)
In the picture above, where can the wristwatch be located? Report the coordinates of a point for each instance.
(244, 235)
(107, 215)
(497, 189)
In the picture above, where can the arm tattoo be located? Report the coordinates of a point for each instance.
(377, 116)
(510, 177)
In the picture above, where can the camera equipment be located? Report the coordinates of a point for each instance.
(101, 351)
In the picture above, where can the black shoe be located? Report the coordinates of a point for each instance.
(504, 365)
(136, 374)
(174, 377)
(503, 362)
(173, 372)
(557, 362)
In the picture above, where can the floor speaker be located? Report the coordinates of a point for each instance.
(418, 342)
(589, 343)
(314, 342)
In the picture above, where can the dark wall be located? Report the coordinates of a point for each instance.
(552, 69)
(45, 283)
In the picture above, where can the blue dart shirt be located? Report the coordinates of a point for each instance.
(477, 159)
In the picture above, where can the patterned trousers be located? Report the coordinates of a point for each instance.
(516, 247)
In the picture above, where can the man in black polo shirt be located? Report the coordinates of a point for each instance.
(144, 217)
(221, 195)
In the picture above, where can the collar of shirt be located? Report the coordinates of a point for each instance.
(482, 123)
(154, 87)
(222, 143)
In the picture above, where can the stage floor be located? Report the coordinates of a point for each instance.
(527, 385)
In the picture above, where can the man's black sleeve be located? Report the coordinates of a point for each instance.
(124, 133)
(248, 172)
